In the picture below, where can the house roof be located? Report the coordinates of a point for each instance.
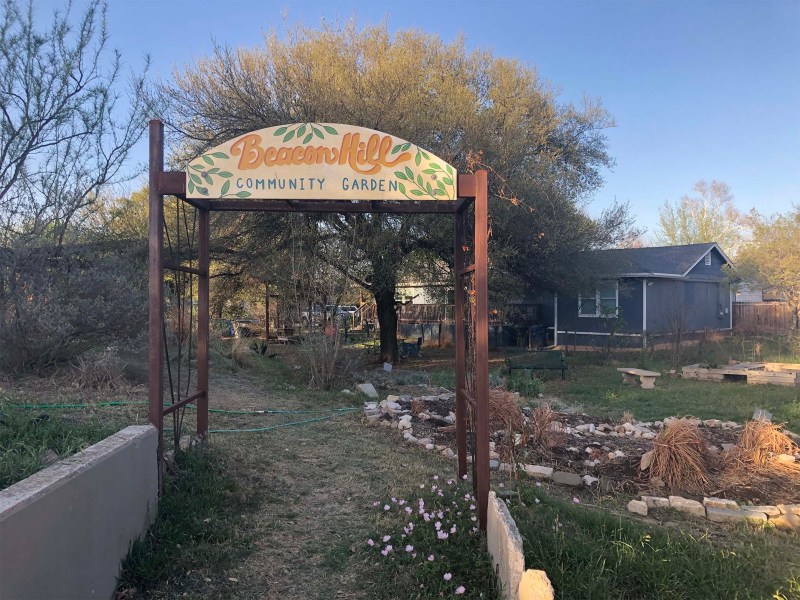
(664, 261)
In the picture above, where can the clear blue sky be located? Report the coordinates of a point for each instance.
(698, 89)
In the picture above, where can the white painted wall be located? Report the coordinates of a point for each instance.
(65, 529)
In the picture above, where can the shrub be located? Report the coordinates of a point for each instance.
(530, 387)
(99, 370)
(429, 545)
(323, 361)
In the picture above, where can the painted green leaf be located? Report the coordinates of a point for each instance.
(447, 180)
(402, 188)
(225, 187)
(449, 169)
(440, 185)
(406, 146)
(438, 192)
(429, 188)
(242, 194)
(317, 133)
(203, 191)
(207, 160)
(225, 174)
(289, 135)
(301, 130)
(220, 155)
(396, 149)
(195, 178)
(330, 130)
(400, 175)
(190, 186)
(416, 192)
(212, 171)
(419, 181)
(280, 131)
(429, 171)
(435, 166)
(425, 154)
(207, 179)
(418, 158)
(308, 138)
(410, 174)
(197, 167)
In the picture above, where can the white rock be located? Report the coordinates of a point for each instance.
(493, 454)
(406, 417)
(368, 389)
(692, 507)
(785, 458)
(539, 471)
(647, 460)
(655, 501)
(589, 480)
(404, 425)
(619, 454)
(638, 507)
(429, 446)
(736, 515)
(370, 406)
(506, 468)
(392, 398)
(712, 423)
(494, 464)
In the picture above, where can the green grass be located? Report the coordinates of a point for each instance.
(26, 435)
(589, 554)
(402, 544)
(599, 391)
(196, 534)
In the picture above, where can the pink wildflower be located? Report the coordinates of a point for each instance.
(464, 477)
(453, 528)
(431, 557)
(460, 590)
(370, 542)
(386, 507)
(386, 538)
(576, 500)
(438, 525)
(436, 477)
(448, 576)
(409, 548)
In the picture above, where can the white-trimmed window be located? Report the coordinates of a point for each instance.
(603, 303)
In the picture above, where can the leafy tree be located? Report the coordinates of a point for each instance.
(772, 257)
(471, 108)
(708, 216)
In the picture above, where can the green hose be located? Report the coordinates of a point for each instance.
(271, 411)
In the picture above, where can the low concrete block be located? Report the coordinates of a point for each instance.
(538, 471)
(505, 546)
(570, 479)
(535, 585)
(728, 515)
(719, 503)
(64, 530)
(691, 507)
(655, 501)
(638, 507)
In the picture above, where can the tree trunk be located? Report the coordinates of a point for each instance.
(387, 320)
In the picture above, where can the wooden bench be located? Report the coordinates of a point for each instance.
(539, 360)
(647, 378)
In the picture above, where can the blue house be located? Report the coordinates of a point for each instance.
(652, 294)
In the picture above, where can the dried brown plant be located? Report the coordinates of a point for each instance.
(680, 457)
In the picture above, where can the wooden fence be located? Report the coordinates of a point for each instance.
(761, 317)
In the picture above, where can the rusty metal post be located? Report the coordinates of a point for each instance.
(482, 344)
(460, 342)
(266, 312)
(203, 263)
(155, 288)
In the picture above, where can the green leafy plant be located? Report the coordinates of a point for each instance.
(309, 130)
(526, 386)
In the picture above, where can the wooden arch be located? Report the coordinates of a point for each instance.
(416, 182)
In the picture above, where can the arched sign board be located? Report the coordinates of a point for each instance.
(320, 161)
(320, 167)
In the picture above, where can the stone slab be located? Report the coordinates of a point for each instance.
(655, 501)
(739, 515)
(368, 389)
(770, 511)
(789, 509)
(564, 478)
(720, 503)
(787, 522)
(638, 507)
(691, 507)
(539, 471)
(505, 546)
(535, 585)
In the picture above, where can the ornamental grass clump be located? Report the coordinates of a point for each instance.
(428, 544)
(757, 450)
(680, 455)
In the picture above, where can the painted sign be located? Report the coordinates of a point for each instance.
(320, 161)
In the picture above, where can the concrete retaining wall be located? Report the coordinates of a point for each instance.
(64, 530)
(505, 547)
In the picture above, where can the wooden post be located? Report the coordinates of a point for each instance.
(482, 344)
(203, 318)
(460, 343)
(155, 289)
(266, 312)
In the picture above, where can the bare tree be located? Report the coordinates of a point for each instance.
(63, 138)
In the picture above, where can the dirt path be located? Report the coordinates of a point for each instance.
(316, 483)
